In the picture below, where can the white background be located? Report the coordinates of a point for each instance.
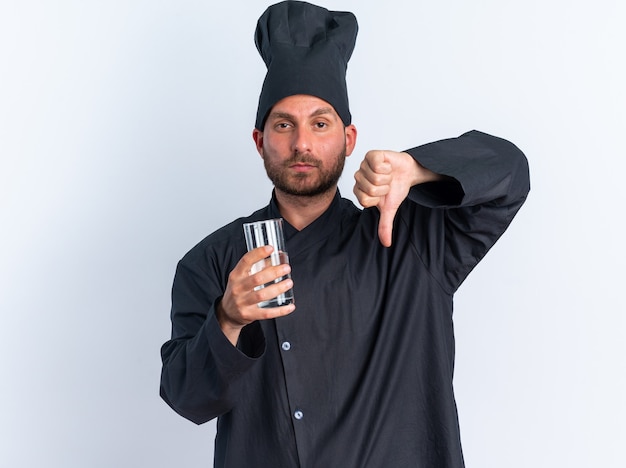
(125, 139)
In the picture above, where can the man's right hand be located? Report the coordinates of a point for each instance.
(239, 305)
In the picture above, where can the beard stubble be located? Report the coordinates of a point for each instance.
(301, 184)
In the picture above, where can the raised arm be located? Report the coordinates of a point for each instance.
(471, 187)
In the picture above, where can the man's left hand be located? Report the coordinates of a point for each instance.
(384, 180)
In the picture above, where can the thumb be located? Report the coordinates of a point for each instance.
(385, 225)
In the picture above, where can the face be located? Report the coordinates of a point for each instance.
(304, 145)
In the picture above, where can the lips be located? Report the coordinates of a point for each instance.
(302, 167)
(302, 164)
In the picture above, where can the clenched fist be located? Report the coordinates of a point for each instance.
(384, 180)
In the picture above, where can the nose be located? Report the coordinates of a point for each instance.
(301, 140)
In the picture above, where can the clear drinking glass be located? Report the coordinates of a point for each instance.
(269, 232)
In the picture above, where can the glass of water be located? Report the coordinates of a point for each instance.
(269, 232)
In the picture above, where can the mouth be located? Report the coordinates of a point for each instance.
(302, 166)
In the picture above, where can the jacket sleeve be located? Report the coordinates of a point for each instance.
(487, 183)
(200, 365)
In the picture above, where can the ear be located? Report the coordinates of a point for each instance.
(350, 139)
(257, 136)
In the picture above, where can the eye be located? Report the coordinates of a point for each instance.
(282, 125)
(321, 125)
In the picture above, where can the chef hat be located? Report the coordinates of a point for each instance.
(306, 49)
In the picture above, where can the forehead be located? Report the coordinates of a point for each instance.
(302, 105)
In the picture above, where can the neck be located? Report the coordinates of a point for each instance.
(300, 211)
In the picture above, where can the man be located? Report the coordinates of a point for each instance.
(358, 373)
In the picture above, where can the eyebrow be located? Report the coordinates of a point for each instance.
(322, 111)
(287, 115)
